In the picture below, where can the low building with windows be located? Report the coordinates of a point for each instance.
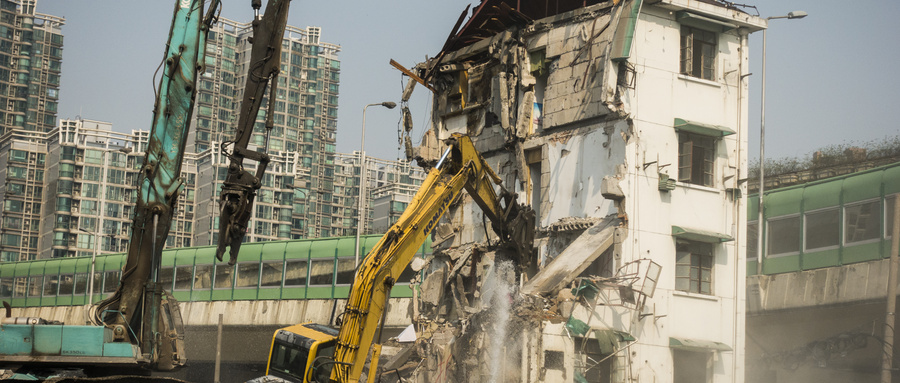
(624, 126)
(816, 298)
(390, 186)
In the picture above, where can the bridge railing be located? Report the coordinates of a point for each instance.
(296, 269)
(826, 223)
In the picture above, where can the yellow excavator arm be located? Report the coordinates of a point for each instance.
(341, 358)
(460, 167)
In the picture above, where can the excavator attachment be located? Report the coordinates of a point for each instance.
(240, 186)
(344, 356)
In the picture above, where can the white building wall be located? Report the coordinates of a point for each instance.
(661, 95)
(596, 126)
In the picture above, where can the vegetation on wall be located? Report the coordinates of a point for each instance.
(830, 156)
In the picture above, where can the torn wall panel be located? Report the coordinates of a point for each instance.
(574, 259)
(577, 164)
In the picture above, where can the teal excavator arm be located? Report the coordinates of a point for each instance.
(139, 325)
(140, 311)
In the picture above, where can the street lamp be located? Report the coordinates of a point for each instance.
(762, 143)
(362, 176)
(93, 262)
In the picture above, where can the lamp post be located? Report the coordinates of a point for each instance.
(306, 206)
(762, 143)
(93, 262)
(362, 177)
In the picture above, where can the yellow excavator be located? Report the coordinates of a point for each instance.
(316, 353)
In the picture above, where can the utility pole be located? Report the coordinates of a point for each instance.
(889, 317)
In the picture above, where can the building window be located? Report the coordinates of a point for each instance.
(691, 366)
(862, 222)
(398, 207)
(693, 267)
(696, 157)
(698, 53)
(889, 215)
(752, 240)
(783, 236)
(822, 229)
(534, 159)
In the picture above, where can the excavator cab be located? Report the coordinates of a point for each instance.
(298, 346)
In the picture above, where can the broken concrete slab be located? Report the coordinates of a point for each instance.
(574, 259)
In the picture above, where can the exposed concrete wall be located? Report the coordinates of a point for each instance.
(610, 120)
(842, 285)
(821, 344)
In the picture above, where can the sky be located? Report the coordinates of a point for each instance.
(824, 81)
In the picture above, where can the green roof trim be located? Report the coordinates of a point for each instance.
(702, 129)
(609, 340)
(709, 23)
(699, 235)
(697, 345)
(576, 326)
(624, 34)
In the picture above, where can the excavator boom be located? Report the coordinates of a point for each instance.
(461, 167)
(139, 325)
(240, 186)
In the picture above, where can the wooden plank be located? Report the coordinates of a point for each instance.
(412, 75)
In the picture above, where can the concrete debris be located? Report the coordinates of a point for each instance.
(574, 259)
(609, 188)
(432, 290)
(443, 233)
(418, 264)
(569, 224)
(408, 335)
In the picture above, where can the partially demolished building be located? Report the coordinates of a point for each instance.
(624, 125)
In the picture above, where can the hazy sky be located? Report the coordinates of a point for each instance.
(824, 79)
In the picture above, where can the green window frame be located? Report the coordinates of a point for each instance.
(696, 159)
(698, 53)
(694, 267)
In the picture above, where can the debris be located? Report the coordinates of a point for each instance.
(574, 259)
(408, 335)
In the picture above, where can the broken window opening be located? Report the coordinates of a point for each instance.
(554, 364)
(693, 267)
(540, 69)
(691, 366)
(752, 240)
(696, 159)
(626, 75)
(862, 222)
(534, 158)
(590, 363)
(698, 53)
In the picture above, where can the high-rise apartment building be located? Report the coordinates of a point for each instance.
(297, 192)
(390, 186)
(91, 190)
(91, 171)
(23, 155)
(30, 63)
(70, 190)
